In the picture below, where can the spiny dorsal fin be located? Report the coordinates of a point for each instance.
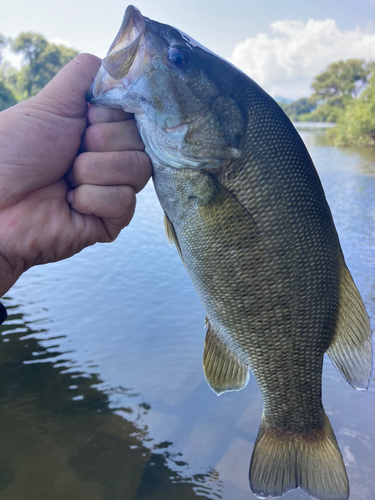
(311, 461)
(222, 368)
(351, 349)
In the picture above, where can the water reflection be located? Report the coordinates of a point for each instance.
(350, 159)
(62, 439)
(103, 394)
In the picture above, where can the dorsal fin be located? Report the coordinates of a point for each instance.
(222, 368)
(351, 348)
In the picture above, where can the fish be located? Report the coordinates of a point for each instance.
(245, 208)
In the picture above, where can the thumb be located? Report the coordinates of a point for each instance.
(65, 94)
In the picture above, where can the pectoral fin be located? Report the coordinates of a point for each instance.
(222, 368)
(170, 234)
(169, 231)
(351, 348)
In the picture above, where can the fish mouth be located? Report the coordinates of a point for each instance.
(107, 89)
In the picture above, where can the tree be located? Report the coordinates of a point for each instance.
(334, 89)
(356, 125)
(42, 60)
(7, 96)
(2, 45)
(337, 86)
(296, 109)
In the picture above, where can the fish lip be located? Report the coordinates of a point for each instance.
(124, 48)
(125, 35)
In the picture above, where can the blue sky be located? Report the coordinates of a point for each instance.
(279, 43)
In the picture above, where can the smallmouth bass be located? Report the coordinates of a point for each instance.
(246, 210)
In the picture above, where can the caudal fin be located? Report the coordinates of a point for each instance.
(311, 462)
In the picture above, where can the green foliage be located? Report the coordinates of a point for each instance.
(9, 78)
(356, 125)
(2, 44)
(324, 112)
(42, 60)
(341, 80)
(334, 90)
(7, 96)
(337, 86)
(296, 109)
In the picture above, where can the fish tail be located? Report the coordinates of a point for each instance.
(312, 462)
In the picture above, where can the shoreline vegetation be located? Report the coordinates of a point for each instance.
(343, 94)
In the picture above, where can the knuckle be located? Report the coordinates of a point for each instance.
(127, 198)
(95, 138)
(140, 169)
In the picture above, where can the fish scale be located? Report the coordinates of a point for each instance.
(246, 210)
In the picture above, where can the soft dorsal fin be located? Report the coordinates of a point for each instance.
(351, 348)
(222, 368)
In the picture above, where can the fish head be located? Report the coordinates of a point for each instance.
(158, 73)
(146, 60)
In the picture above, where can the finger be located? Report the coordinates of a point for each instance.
(131, 168)
(96, 114)
(113, 202)
(121, 136)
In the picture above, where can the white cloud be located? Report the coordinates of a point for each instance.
(285, 64)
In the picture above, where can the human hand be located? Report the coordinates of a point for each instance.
(42, 219)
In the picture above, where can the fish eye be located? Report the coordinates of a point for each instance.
(178, 57)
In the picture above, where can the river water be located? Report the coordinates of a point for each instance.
(102, 393)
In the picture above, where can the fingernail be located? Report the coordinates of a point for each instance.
(70, 197)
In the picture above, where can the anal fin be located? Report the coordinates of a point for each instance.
(222, 368)
(351, 348)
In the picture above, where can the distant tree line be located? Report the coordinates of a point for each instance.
(345, 94)
(40, 62)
